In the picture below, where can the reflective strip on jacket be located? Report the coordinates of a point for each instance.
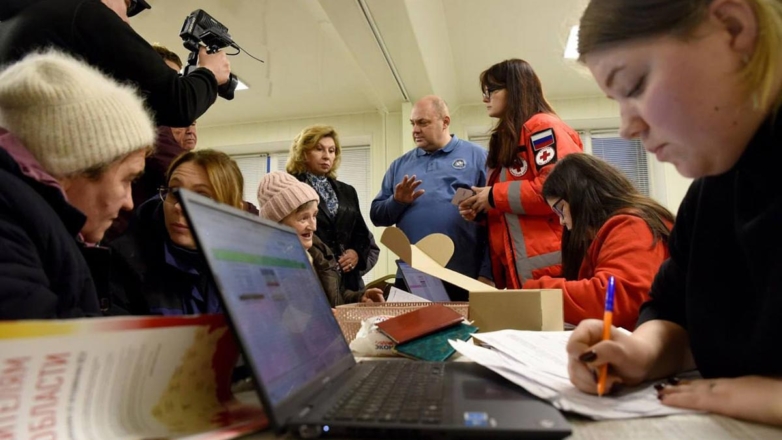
(524, 233)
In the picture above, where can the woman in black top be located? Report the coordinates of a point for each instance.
(700, 83)
(157, 268)
(314, 159)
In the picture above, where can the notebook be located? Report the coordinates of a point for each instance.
(435, 347)
(422, 284)
(305, 374)
(419, 322)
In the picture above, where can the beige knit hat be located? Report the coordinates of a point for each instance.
(279, 194)
(69, 115)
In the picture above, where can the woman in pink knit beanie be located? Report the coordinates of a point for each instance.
(284, 199)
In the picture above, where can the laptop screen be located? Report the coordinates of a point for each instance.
(422, 284)
(274, 299)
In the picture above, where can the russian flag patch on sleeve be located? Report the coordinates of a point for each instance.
(544, 146)
(543, 139)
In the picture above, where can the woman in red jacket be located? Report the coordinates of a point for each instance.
(529, 138)
(610, 229)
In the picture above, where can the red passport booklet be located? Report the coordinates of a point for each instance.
(419, 323)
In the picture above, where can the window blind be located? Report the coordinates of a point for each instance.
(354, 170)
(627, 155)
(253, 168)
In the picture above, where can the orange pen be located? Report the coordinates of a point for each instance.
(608, 316)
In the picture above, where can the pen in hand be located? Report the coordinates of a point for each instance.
(608, 315)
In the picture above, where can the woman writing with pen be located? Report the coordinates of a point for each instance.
(610, 229)
(700, 83)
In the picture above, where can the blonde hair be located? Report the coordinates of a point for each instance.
(607, 22)
(306, 141)
(223, 174)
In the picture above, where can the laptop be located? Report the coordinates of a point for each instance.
(422, 284)
(305, 374)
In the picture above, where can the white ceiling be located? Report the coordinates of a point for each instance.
(321, 57)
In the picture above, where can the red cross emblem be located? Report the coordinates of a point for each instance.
(545, 155)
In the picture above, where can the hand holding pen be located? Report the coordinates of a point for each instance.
(597, 349)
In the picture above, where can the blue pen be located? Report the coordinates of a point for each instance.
(608, 316)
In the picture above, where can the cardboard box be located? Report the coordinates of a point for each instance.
(490, 308)
(524, 309)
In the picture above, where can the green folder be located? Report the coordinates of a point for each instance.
(435, 346)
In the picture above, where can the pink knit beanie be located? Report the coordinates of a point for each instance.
(279, 194)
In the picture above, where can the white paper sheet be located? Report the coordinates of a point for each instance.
(537, 361)
(399, 295)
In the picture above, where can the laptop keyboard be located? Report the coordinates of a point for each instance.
(394, 392)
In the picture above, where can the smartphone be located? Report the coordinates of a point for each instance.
(461, 195)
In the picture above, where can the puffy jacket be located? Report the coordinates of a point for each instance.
(43, 273)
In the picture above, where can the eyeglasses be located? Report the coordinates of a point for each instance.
(489, 90)
(168, 195)
(559, 211)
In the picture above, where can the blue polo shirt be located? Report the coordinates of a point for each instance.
(459, 164)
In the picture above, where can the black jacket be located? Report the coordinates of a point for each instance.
(92, 31)
(347, 230)
(43, 273)
(723, 280)
(143, 283)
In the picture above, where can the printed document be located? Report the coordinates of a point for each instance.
(537, 361)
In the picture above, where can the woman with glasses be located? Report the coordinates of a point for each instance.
(700, 83)
(156, 268)
(529, 138)
(610, 230)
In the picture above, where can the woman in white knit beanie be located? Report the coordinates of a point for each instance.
(284, 199)
(71, 142)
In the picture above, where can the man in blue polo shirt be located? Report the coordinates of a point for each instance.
(419, 186)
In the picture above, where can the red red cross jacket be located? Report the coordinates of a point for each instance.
(524, 233)
(623, 247)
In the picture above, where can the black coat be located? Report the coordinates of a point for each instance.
(92, 31)
(142, 282)
(347, 230)
(43, 273)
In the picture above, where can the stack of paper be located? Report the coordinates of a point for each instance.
(537, 361)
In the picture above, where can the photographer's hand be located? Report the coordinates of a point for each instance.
(217, 62)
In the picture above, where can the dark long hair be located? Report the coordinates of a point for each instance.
(524, 99)
(596, 191)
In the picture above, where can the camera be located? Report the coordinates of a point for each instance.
(201, 28)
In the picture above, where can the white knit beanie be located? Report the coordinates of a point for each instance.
(279, 194)
(69, 115)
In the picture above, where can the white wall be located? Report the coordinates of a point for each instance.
(389, 136)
